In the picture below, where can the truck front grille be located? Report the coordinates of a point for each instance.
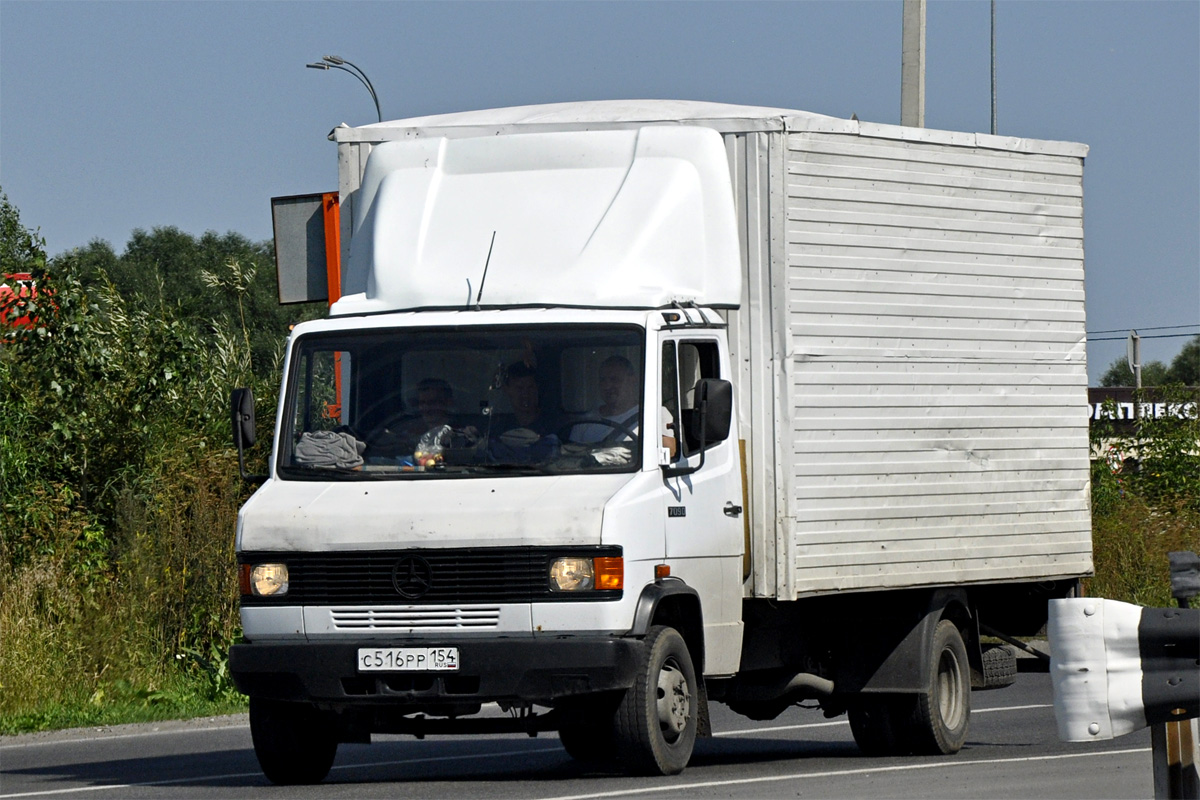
(390, 618)
(426, 577)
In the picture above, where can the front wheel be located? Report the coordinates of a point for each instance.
(656, 722)
(586, 729)
(294, 742)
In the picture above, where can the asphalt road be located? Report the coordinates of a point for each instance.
(1012, 752)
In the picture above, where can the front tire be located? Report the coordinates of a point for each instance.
(586, 730)
(656, 721)
(294, 742)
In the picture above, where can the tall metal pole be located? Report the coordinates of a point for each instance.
(993, 67)
(912, 65)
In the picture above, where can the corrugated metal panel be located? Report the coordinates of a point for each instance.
(752, 344)
(938, 382)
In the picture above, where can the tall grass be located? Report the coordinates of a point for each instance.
(1145, 498)
(119, 495)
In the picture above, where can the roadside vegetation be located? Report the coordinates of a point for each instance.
(1146, 491)
(119, 487)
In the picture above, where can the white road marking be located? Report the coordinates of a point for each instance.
(543, 750)
(102, 737)
(258, 774)
(1010, 708)
(795, 776)
(777, 728)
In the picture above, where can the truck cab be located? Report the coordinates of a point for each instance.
(494, 478)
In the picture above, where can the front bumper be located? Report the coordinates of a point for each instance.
(536, 671)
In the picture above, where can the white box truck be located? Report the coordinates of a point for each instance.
(630, 407)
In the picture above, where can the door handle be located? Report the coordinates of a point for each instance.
(731, 510)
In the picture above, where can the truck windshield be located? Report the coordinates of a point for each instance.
(428, 403)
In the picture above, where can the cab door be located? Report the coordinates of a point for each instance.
(704, 534)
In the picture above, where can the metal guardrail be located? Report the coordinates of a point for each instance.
(1117, 668)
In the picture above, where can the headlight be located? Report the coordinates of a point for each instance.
(580, 573)
(266, 580)
(572, 574)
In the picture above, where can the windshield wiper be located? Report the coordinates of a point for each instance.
(322, 472)
(506, 466)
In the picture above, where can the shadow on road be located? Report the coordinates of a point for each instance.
(508, 760)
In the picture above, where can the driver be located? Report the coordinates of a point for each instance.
(619, 406)
(435, 399)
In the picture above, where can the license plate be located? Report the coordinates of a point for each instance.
(407, 659)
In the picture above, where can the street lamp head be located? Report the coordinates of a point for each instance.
(337, 62)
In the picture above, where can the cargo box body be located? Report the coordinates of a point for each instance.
(909, 352)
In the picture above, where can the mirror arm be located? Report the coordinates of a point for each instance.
(242, 466)
(677, 472)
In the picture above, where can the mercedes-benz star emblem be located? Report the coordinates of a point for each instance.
(412, 576)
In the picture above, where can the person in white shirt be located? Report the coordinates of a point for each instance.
(619, 405)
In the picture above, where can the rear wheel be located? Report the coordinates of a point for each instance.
(656, 721)
(940, 718)
(294, 742)
(873, 723)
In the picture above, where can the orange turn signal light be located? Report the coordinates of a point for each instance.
(662, 571)
(610, 572)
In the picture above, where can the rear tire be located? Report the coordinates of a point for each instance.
(942, 714)
(294, 742)
(874, 725)
(656, 721)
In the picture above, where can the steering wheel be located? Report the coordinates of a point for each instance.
(565, 431)
(391, 400)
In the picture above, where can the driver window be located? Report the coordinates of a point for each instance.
(670, 396)
(695, 360)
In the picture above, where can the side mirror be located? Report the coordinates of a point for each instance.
(241, 407)
(711, 421)
(714, 399)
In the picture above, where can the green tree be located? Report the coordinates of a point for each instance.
(1185, 367)
(21, 249)
(168, 267)
(1118, 373)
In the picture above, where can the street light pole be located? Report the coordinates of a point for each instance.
(337, 62)
(993, 67)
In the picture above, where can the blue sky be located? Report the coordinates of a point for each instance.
(116, 116)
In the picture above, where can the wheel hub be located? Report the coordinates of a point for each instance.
(674, 700)
(950, 690)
